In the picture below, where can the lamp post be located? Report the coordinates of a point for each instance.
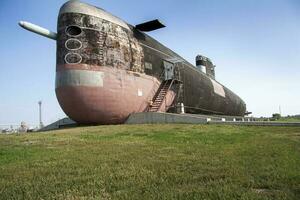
(40, 114)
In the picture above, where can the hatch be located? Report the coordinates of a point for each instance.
(169, 70)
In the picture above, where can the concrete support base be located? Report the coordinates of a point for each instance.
(162, 118)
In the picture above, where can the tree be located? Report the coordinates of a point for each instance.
(276, 116)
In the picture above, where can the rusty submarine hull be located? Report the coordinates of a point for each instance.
(107, 69)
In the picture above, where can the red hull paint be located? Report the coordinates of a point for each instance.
(167, 102)
(123, 92)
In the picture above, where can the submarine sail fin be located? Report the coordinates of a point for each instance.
(150, 26)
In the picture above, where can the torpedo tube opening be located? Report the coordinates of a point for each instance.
(73, 31)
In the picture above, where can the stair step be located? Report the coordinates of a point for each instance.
(161, 94)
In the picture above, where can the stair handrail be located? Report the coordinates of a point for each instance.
(148, 97)
(162, 85)
(156, 94)
(158, 90)
(160, 77)
(172, 81)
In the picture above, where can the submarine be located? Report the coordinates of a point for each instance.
(107, 69)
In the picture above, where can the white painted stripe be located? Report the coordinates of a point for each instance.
(83, 8)
(79, 78)
(73, 40)
(218, 88)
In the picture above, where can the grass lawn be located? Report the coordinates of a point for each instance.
(152, 162)
(289, 119)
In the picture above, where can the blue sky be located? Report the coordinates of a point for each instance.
(255, 45)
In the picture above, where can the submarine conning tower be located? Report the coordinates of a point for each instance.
(205, 65)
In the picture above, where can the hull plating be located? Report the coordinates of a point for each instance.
(107, 101)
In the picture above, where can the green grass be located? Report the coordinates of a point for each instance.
(152, 162)
(289, 119)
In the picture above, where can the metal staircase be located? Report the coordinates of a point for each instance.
(170, 78)
(160, 95)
